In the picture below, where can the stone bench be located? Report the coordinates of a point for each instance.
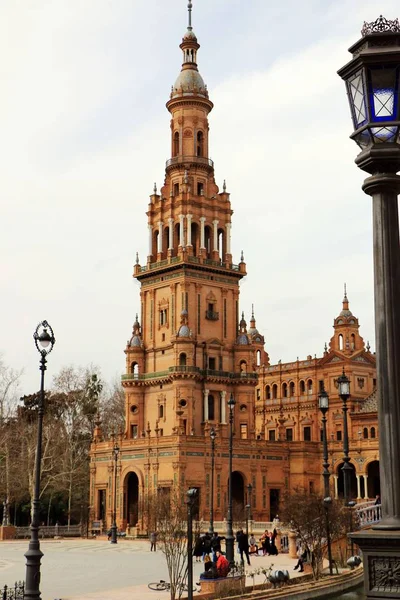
(223, 586)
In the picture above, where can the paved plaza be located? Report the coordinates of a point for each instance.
(98, 570)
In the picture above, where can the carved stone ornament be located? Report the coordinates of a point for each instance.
(380, 26)
(187, 133)
(384, 574)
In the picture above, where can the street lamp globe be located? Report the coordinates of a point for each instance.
(213, 434)
(323, 401)
(343, 386)
(231, 402)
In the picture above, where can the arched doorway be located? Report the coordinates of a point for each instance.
(374, 483)
(353, 482)
(132, 499)
(238, 498)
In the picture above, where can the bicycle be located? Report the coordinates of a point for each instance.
(165, 586)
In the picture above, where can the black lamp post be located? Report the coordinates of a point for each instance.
(213, 435)
(191, 500)
(229, 539)
(344, 394)
(248, 507)
(373, 86)
(114, 524)
(44, 342)
(323, 403)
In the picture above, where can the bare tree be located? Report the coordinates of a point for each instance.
(305, 514)
(168, 516)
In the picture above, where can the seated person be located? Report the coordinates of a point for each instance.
(223, 567)
(253, 545)
(210, 571)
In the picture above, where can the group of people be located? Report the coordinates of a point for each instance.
(267, 542)
(207, 544)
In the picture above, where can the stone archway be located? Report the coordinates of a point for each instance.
(132, 499)
(353, 482)
(374, 483)
(238, 496)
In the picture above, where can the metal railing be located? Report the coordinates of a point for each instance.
(15, 592)
(212, 315)
(189, 369)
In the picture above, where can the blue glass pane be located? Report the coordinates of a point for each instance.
(356, 91)
(384, 134)
(383, 94)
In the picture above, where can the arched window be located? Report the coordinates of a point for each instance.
(284, 390)
(135, 369)
(373, 432)
(274, 391)
(211, 407)
(340, 341)
(258, 358)
(291, 389)
(267, 392)
(161, 411)
(243, 367)
(365, 433)
(309, 386)
(182, 359)
(353, 342)
(302, 388)
(200, 143)
(176, 144)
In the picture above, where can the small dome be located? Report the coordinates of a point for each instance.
(253, 330)
(184, 313)
(189, 35)
(345, 313)
(189, 81)
(135, 342)
(184, 331)
(242, 340)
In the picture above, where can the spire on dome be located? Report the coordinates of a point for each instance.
(346, 312)
(190, 14)
(253, 329)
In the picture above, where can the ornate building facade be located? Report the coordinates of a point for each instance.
(191, 351)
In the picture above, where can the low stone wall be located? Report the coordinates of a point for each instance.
(304, 590)
(7, 532)
(222, 587)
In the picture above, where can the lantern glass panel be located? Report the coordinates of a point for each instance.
(356, 90)
(384, 134)
(383, 94)
(363, 139)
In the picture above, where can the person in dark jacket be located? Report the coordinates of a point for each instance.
(198, 548)
(206, 545)
(273, 550)
(210, 571)
(216, 545)
(243, 543)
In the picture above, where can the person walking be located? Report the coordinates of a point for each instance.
(243, 543)
(153, 541)
(216, 545)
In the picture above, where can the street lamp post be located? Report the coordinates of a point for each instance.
(213, 435)
(248, 507)
(191, 500)
(323, 402)
(373, 86)
(344, 394)
(229, 540)
(44, 342)
(114, 524)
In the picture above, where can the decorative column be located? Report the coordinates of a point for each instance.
(335, 481)
(202, 232)
(223, 407)
(205, 392)
(189, 229)
(358, 487)
(228, 237)
(365, 487)
(171, 234)
(160, 240)
(215, 233)
(150, 239)
(181, 230)
(292, 545)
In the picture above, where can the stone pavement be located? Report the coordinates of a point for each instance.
(97, 570)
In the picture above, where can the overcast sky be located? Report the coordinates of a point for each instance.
(85, 134)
